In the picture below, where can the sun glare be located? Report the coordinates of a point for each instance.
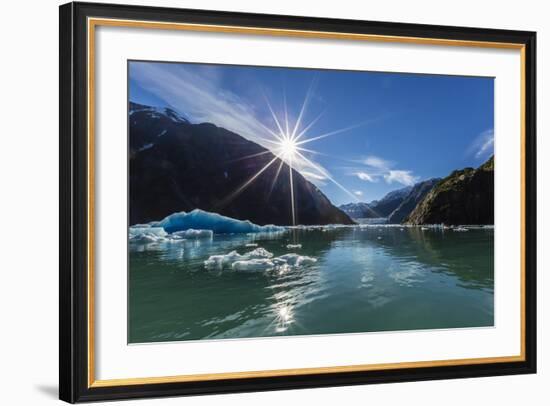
(288, 148)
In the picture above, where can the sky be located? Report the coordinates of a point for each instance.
(355, 135)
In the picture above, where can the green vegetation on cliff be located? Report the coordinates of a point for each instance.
(464, 197)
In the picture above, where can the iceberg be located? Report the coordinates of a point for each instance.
(218, 224)
(192, 234)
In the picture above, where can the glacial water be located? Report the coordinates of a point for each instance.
(360, 279)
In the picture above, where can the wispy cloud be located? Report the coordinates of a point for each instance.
(404, 177)
(483, 145)
(317, 178)
(365, 176)
(196, 93)
(358, 193)
(377, 162)
(376, 168)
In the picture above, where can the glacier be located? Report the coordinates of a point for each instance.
(202, 220)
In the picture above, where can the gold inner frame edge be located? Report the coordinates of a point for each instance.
(92, 23)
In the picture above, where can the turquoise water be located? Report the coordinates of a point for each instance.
(365, 279)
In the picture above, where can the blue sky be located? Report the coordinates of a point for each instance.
(377, 131)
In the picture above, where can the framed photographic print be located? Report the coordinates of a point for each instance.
(255, 202)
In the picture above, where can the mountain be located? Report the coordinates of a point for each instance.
(358, 210)
(175, 166)
(377, 208)
(414, 197)
(464, 197)
(385, 206)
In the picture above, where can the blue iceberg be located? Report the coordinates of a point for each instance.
(218, 224)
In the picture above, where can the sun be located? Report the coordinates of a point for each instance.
(288, 148)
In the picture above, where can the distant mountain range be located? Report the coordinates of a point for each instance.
(464, 197)
(377, 208)
(175, 166)
(413, 198)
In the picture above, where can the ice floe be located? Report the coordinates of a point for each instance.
(293, 246)
(146, 234)
(257, 260)
(253, 265)
(294, 260)
(259, 253)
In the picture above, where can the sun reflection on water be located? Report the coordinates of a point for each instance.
(283, 318)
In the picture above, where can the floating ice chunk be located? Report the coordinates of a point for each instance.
(222, 261)
(257, 260)
(145, 234)
(305, 260)
(146, 229)
(460, 229)
(228, 260)
(146, 238)
(252, 265)
(294, 246)
(251, 245)
(379, 237)
(294, 260)
(424, 228)
(192, 234)
(203, 220)
(283, 268)
(258, 253)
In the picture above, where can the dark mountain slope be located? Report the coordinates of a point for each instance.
(464, 197)
(177, 166)
(414, 197)
(391, 201)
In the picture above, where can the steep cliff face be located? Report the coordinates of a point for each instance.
(415, 196)
(178, 166)
(464, 197)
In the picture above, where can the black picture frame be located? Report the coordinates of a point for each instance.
(74, 200)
